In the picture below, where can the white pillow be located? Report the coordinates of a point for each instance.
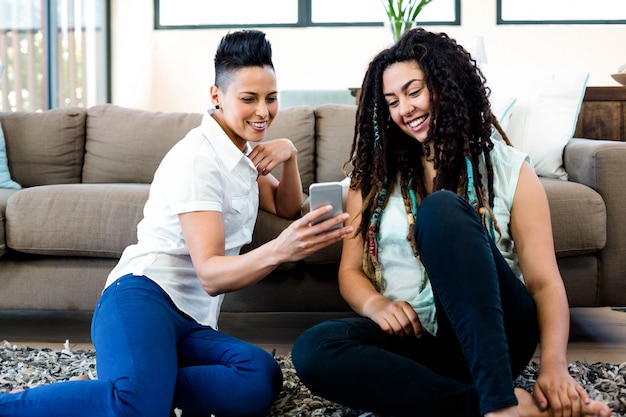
(545, 113)
(5, 176)
(502, 108)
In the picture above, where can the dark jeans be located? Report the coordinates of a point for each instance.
(487, 333)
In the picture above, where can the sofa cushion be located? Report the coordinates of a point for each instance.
(578, 217)
(334, 124)
(297, 124)
(45, 148)
(126, 145)
(75, 220)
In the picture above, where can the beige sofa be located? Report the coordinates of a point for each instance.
(86, 172)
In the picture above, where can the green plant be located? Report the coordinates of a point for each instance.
(401, 14)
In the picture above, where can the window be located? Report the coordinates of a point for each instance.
(561, 11)
(190, 14)
(54, 54)
(198, 13)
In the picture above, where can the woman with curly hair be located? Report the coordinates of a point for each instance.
(451, 268)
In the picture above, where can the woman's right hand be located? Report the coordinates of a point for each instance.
(395, 317)
(303, 238)
(205, 238)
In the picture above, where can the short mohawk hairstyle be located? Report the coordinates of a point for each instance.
(241, 49)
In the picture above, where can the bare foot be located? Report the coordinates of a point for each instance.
(528, 407)
(16, 390)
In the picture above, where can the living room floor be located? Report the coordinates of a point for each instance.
(596, 334)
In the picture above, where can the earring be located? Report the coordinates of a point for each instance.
(217, 107)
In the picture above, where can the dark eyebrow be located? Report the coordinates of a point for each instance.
(252, 93)
(405, 86)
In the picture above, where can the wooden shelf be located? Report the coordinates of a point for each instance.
(605, 94)
(603, 114)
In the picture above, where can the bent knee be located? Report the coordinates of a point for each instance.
(442, 200)
(265, 382)
(317, 348)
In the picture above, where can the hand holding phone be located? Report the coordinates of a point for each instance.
(325, 193)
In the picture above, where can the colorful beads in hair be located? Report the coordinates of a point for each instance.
(372, 232)
(411, 204)
(377, 141)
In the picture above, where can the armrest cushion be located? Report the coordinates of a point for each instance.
(601, 165)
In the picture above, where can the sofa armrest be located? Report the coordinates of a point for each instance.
(5, 193)
(601, 165)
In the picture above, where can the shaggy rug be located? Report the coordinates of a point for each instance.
(30, 367)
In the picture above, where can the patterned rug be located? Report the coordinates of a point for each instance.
(22, 366)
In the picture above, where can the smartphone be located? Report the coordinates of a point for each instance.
(324, 193)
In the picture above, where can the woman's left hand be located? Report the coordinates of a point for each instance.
(268, 155)
(557, 390)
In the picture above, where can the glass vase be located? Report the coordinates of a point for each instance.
(397, 28)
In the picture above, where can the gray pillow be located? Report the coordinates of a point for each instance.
(127, 145)
(45, 148)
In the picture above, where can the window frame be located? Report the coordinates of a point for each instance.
(304, 20)
(46, 62)
(52, 61)
(501, 21)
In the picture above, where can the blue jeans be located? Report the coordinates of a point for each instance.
(151, 358)
(488, 331)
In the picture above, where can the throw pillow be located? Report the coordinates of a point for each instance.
(502, 108)
(546, 112)
(5, 175)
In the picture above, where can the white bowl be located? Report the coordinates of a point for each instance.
(620, 77)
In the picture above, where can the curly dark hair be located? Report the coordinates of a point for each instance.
(459, 132)
(461, 128)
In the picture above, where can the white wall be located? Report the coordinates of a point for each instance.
(171, 70)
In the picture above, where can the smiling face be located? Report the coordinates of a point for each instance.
(408, 98)
(247, 104)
